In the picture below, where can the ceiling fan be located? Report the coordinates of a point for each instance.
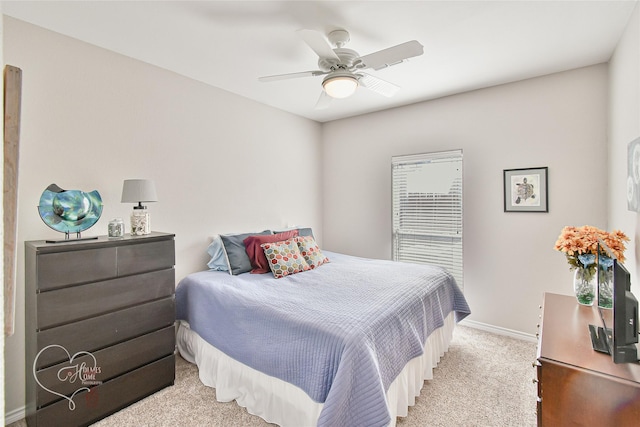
(343, 67)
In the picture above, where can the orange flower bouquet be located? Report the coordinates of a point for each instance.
(580, 246)
(577, 241)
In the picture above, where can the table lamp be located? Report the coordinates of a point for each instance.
(138, 191)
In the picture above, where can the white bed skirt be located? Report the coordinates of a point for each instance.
(287, 405)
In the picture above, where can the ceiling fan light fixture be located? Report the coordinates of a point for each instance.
(340, 84)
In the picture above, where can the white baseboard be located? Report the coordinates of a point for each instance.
(498, 330)
(15, 415)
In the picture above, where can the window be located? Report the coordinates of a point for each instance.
(427, 210)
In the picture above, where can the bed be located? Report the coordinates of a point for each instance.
(347, 343)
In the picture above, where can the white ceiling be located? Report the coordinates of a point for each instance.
(229, 44)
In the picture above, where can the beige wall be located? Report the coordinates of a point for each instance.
(558, 121)
(624, 127)
(92, 118)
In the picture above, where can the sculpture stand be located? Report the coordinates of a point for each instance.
(67, 239)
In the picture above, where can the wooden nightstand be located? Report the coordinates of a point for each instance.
(99, 326)
(578, 386)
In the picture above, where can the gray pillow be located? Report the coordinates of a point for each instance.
(301, 231)
(236, 253)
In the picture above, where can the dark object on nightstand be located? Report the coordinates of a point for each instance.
(600, 339)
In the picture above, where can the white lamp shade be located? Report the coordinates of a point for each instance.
(340, 85)
(139, 190)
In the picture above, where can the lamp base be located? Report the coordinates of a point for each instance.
(140, 222)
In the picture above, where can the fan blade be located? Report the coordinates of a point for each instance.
(291, 76)
(378, 85)
(318, 43)
(323, 101)
(392, 55)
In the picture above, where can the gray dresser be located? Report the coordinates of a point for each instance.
(99, 326)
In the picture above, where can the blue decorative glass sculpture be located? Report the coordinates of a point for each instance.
(69, 211)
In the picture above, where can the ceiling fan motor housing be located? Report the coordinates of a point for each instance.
(347, 61)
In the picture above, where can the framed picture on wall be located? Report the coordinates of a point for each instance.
(525, 190)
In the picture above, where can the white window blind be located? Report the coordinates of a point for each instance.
(427, 210)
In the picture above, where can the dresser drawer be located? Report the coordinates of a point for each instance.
(111, 362)
(61, 306)
(102, 331)
(109, 397)
(133, 259)
(55, 270)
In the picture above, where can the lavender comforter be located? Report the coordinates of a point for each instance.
(341, 332)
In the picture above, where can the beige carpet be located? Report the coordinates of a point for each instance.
(484, 380)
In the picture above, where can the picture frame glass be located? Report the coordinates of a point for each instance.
(525, 190)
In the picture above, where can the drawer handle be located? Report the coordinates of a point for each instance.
(535, 381)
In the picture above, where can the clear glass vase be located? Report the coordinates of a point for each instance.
(605, 293)
(584, 285)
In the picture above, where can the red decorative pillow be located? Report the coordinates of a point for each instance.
(259, 262)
